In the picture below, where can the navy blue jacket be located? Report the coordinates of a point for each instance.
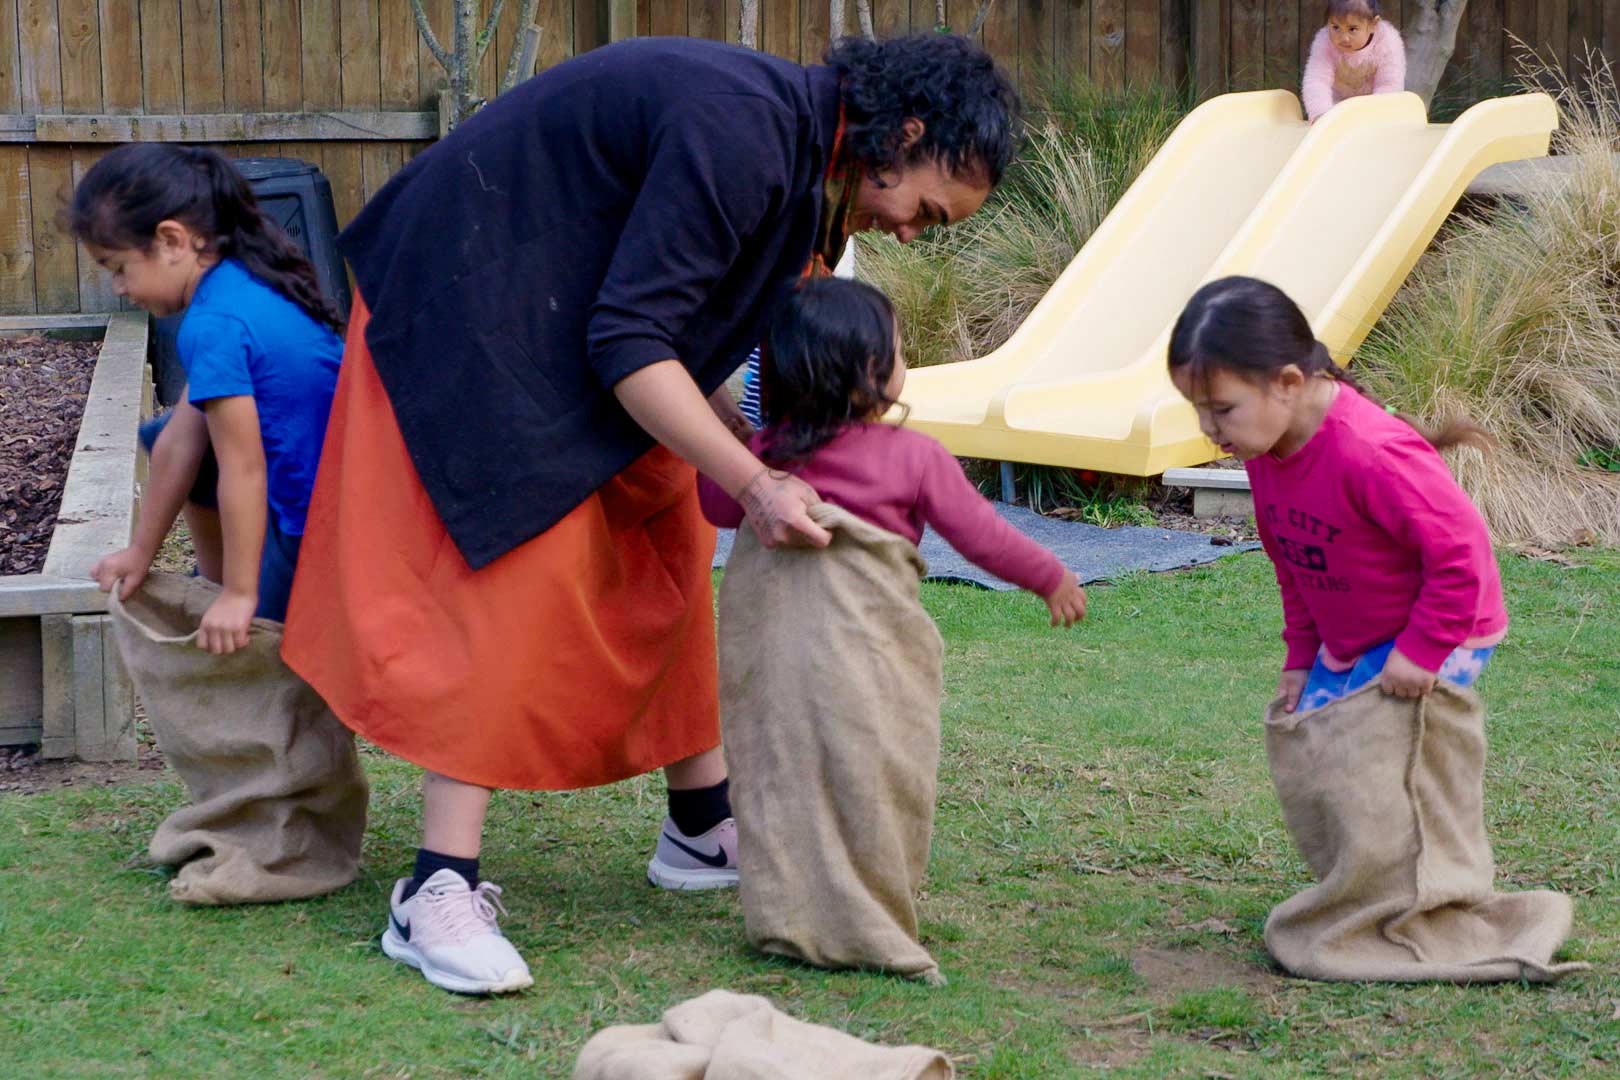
(647, 200)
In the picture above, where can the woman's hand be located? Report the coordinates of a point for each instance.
(1404, 679)
(225, 625)
(778, 507)
(1068, 602)
(1291, 685)
(130, 564)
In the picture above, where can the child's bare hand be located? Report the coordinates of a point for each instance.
(1291, 685)
(1068, 602)
(130, 564)
(1404, 679)
(225, 625)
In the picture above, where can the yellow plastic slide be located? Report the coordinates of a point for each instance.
(1335, 213)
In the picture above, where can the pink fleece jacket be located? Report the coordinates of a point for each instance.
(1373, 540)
(901, 480)
(1331, 74)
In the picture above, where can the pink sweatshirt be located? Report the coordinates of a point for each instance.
(901, 480)
(1372, 539)
(1331, 75)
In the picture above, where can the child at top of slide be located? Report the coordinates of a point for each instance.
(1357, 52)
(181, 230)
(1385, 566)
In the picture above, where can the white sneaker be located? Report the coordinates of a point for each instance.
(695, 862)
(447, 932)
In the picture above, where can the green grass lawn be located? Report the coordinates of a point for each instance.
(1106, 850)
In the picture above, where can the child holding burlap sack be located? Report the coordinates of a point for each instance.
(1392, 606)
(829, 667)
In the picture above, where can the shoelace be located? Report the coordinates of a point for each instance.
(464, 915)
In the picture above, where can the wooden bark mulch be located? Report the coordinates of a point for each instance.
(43, 386)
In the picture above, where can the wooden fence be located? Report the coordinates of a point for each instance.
(73, 73)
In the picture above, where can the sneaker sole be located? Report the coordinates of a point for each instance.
(401, 950)
(677, 880)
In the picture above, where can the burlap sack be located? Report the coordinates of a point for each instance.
(829, 711)
(726, 1036)
(278, 800)
(1385, 799)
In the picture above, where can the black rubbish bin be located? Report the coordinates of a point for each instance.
(296, 196)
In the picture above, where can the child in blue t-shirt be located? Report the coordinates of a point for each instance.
(181, 230)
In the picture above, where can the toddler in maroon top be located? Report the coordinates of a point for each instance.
(1385, 566)
(832, 366)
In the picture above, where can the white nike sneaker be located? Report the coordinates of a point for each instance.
(447, 932)
(695, 862)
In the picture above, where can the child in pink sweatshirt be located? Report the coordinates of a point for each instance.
(1385, 566)
(1357, 52)
(832, 367)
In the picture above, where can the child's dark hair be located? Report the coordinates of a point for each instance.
(1338, 9)
(971, 112)
(127, 194)
(825, 364)
(1252, 329)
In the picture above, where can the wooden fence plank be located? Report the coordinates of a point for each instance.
(38, 38)
(779, 27)
(430, 75)
(80, 24)
(1246, 53)
(242, 28)
(160, 56)
(670, 18)
(120, 34)
(282, 31)
(890, 18)
(334, 126)
(396, 38)
(556, 19)
(1585, 34)
(815, 29)
(1552, 29)
(56, 256)
(1611, 31)
(1071, 51)
(1282, 68)
(589, 31)
(202, 64)
(16, 233)
(322, 66)
(1209, 47)
(1000, 34)
(1108, 42)
(489, 72)
(1142, 34)
(359, 69)
(1175, 42)
(704, 19)
(95, 283)
(10, 59)
(1037, 34)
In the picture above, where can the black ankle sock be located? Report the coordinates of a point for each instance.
(429, 863)
(698, 810)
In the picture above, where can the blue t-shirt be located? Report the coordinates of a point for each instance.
(241, 338)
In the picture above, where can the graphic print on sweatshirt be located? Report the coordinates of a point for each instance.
(1305, 542)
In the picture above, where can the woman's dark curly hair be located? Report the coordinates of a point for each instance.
(825, 365)
(971, 114)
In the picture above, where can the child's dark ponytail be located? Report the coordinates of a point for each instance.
(127, 194)
(1252, 329)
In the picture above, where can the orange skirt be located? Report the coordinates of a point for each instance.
(584, 656)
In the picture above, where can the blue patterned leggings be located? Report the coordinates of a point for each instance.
(1325, 685)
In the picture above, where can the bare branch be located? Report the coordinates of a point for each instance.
(863, 13)
(749, 31)
(979, 17)
(939, 15)
(520, 65)
(487, 37)
(836, 19)
(426, 30)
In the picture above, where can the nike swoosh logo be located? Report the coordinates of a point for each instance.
(717, 860)
(402, 929)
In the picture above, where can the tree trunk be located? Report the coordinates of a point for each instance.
(1431, 37)
(835, 19)
(863, 12)
(749, 31)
